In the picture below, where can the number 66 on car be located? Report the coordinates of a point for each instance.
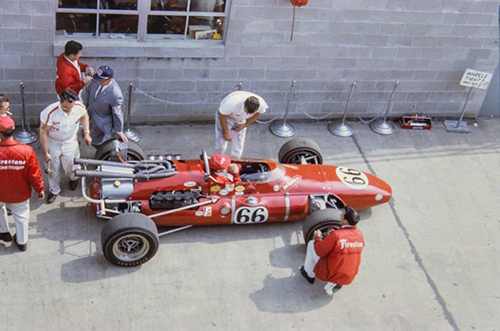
(137, 196)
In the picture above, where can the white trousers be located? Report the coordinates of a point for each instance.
(238, 141)
(310, 262)
(21, 213)
(311, 259)
(61, 152)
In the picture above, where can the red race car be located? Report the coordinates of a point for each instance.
(139, 194)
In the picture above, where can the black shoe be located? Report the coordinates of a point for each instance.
(22, 247)
(6, 237)
(51, 197)
(306, 276)
(73, 184)
(9, 213)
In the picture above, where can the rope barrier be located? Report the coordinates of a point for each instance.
(311, 116)
(152, 97)
(300, 107)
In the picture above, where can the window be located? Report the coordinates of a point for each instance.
(201, 21)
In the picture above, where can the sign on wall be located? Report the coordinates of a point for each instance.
(477, 79)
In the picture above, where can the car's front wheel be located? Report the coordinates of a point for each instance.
(323, 220)
(129, 240)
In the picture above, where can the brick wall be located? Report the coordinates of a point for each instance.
(425, 44)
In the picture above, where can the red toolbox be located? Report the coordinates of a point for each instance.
(416, 122)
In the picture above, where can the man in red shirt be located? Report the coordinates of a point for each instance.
(71, 73)
(336, 258)
(19, 173)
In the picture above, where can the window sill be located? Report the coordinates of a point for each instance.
(151, 48)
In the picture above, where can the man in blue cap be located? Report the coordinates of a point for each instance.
(103, 99)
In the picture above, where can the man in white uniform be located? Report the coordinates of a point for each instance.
(236, 112)
(58, 137)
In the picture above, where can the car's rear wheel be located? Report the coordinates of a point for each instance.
(299, 151)
(323, 220)
(129, 240)
(134, 151)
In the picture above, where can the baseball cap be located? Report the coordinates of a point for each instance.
(218, 161)
(103, 73)
(6, 122)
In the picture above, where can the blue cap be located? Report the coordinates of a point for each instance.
(103, 73)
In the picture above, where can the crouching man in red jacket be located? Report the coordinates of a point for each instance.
(19, 173)
(336, 258)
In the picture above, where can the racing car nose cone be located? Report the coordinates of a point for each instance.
(385, 193)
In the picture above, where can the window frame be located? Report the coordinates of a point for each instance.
(143, 12)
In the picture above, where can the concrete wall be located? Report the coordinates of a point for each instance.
(425, 44)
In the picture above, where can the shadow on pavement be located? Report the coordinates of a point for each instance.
(291, 294)
(92, 268)
(227, 233)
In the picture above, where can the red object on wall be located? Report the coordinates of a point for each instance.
(296, 3)
(299, 3)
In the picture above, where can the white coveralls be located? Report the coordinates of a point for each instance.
(233, 107)
(62, 141)
(21, 214)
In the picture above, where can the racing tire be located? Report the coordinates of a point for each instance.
(129, 240)
(323, 220)
(134, 151)
(293, 151)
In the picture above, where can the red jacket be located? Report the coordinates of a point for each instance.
(340, 255)
(67, 75)
(19, 172)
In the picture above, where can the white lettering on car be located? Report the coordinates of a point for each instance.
(251, 215)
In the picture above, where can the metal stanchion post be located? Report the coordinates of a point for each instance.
(131, 134)
(459, 126)
(341, 129)
(24, 134)
(382, 126)
(280, 128)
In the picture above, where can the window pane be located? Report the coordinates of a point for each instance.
(92, 4)
(120, 4)
(75, 23)
(119, 26)
(103, 4)
(207, 5)
(173, 5)
(166, 25)
(199, 23)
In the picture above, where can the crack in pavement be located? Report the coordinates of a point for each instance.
(448, 315)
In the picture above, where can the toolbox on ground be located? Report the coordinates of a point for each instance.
(416, 122)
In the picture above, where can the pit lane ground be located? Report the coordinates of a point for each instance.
(431, 260)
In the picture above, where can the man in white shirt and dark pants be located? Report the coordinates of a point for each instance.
(58, 137)
(236, 112)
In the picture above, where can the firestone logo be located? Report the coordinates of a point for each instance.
(16, 162)
(345, 244)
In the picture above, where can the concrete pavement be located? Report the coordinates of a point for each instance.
(431, 260)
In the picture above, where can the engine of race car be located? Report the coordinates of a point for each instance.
(173, 199)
